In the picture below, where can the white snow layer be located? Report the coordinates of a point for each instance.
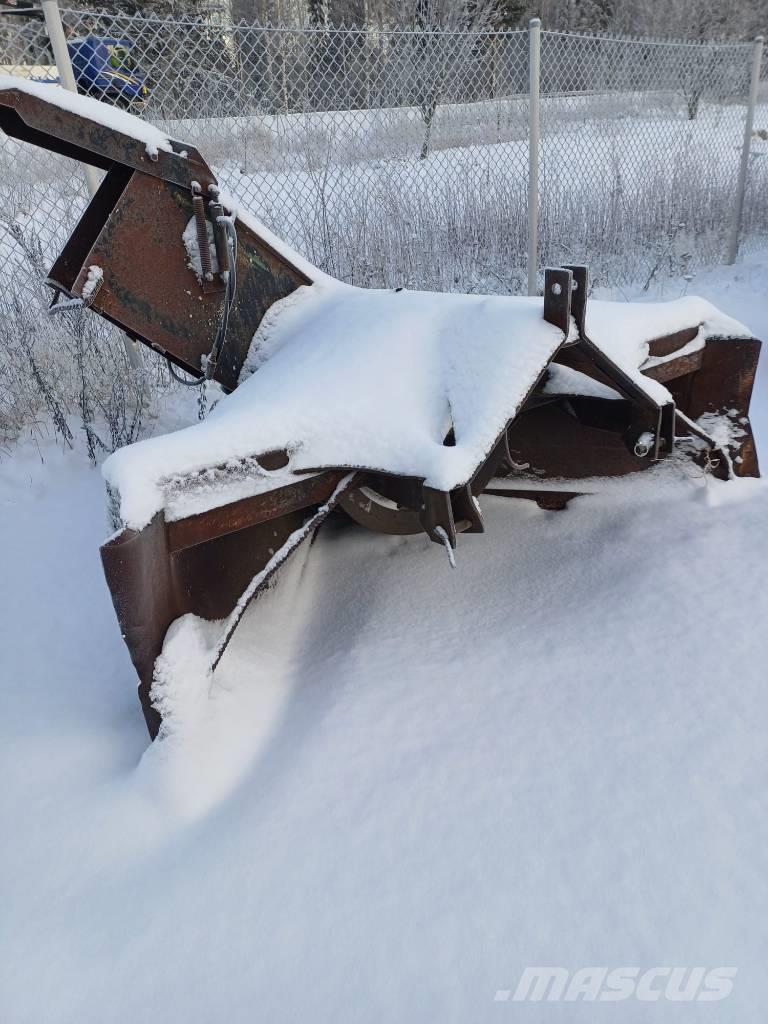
(355, 377)
(407, 784)
(562, 380)
(102, 113)
(374, 378)
(623, 331)
(92, 282)
(189, 238)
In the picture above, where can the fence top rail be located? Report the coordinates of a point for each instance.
(699, 44)
(342, 28)
(266, 26)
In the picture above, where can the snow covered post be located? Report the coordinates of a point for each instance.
(58, 40)
(741, 187)
(534, 65)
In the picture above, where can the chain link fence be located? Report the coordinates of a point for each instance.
(640, 152)
(401, 158)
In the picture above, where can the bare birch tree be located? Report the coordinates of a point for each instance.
(434, 25)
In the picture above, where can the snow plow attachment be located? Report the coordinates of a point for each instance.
(396, 409)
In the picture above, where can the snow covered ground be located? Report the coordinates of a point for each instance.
(409, 783)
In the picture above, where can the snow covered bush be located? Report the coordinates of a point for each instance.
(67, 374)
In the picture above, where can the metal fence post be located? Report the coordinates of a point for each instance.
(534, 69)
(55, 31)
(58, 40)
(741, 187)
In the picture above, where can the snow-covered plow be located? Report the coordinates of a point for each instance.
(397, 409)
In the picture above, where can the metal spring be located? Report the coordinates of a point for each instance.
(201, 227)
(220, 238)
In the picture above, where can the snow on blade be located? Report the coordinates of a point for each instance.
(623, 331)
(102, 113)
(360, 378)
(374, 378)
(92, 282)
(194, 646)
(563, 380)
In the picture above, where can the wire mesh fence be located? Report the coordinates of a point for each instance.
(401, 157)
(641, 146)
